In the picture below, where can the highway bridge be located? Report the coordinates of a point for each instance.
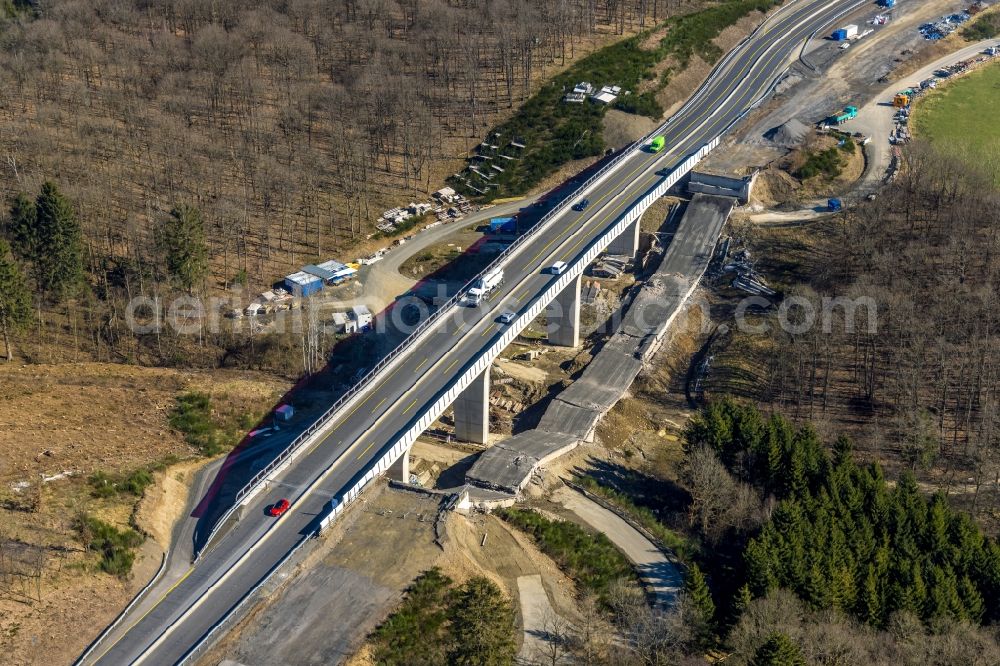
(447, 362)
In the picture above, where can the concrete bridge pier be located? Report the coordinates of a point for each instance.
(627, 242)
(563, 316)
(400, 470)
(472, 410)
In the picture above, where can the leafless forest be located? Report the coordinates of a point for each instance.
(923, 385)
(287, 123)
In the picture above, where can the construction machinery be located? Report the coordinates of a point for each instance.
(849, 113)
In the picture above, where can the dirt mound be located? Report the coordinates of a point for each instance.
(789, 135)
(621, 129)
(774, 187)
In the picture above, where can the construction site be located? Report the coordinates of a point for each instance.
(572, 430)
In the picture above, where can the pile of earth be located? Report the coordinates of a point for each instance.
(789, 135)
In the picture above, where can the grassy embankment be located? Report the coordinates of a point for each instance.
(960, 119)
(986, 26)
(589, 558)
(209, 433)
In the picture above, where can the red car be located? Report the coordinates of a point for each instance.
(279, 507)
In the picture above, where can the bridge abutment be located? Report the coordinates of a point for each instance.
(563, 316)
(472, 410)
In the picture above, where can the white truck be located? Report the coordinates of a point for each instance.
(483, 287)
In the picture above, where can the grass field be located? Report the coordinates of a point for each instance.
(961, 119)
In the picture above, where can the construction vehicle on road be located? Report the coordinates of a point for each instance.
(849, 113)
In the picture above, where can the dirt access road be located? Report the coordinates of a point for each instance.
(382, 283)
(875, 118)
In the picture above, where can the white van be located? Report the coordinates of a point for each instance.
(557, 268)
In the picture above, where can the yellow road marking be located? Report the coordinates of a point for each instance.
(380, 403)
(149, 610)
(410, 406)
(749, 60)
(417, 369)
(492, 326)
(655, 157)
(398, 367)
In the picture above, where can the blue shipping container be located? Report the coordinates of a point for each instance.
(839, 35)
(888, 3)
(503, 224)
(834, 204)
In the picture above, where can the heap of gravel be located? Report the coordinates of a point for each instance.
(789, 135)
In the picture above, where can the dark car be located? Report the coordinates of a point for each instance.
(279, 507)
(582, 204)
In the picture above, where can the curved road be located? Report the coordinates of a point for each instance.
(209, 590)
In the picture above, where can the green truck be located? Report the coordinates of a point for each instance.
(657, 144)
(849, 113)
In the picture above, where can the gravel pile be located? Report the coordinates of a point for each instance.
(789, 135)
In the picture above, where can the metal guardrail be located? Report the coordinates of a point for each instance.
(448, 307)
(627, 218)
(379, 466)
(198, 648)
(107, 630)
(390, 457)
(445, 309)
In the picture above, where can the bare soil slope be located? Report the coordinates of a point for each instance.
(58, 425)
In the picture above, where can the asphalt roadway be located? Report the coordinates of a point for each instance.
(209, 590)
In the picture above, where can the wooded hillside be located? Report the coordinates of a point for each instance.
(286, 124)
(915, 375)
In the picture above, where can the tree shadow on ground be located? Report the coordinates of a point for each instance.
(667, 500)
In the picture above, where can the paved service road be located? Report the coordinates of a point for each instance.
(539, 621)
(223, 576)
(660, 574)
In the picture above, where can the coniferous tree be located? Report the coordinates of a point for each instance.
(843, 592)
(743, 599)
(482, 622)
(936, 535)
(22, 227)
(842, 539)
(15, 303)
(987, 568)
(869, 602)
(842, 451)
(778, 650)
(972, 600)
(59, 260)
(182, 241)
(761, 566)
(701, 599)
(817, 588)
